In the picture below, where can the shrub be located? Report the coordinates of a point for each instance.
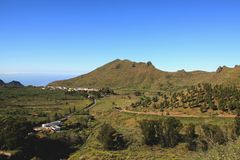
(149, 63)
(223, 152)
(191, 137)
(155, 99)
(164, 132)
(236, 128)
(138, 93)
(13, 132)
(213, 134)
(110, 139)
(152, 130)
(48, 148)
(171, 129)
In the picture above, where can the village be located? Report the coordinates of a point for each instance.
(70, 89)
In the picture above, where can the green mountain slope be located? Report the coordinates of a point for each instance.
(128, 74)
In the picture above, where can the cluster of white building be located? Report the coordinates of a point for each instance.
(70, 89)
(54, 126)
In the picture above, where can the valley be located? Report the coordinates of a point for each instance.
(120, 120)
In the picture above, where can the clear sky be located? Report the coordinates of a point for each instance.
(76, 36)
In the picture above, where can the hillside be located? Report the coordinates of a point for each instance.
(128, 74)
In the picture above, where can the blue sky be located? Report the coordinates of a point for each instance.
(76, 36)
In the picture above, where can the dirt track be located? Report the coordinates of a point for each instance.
(173, 114)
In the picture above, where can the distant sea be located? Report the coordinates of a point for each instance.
(35, 79)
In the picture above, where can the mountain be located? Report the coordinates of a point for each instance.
(14, 84)
(11, 84)
(128, 74)
(2, 83)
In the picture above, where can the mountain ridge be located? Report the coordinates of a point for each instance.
(11, 84)
(129, 74)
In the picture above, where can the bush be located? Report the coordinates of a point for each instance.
(191, 137)
(13, 132)
(236, 128)
(213, 134)
(48, 148)
(171, 131)
(223, 152)
(155, 99)
(164, 132)
(149, 63)
(138, 93)
(152, 130)
(110, 139)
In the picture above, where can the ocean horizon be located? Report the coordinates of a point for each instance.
(35, 79)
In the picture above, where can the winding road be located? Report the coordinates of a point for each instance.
(90, 105)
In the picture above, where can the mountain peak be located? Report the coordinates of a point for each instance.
(14, 84)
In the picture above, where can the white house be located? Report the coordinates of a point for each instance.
(56, 123)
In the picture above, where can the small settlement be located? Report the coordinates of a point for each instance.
(70, 89)
(56, 125)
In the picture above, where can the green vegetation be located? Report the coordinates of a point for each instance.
(110, 139)
(129, 125)
(13, 132)
(24, 108)
(191, 137)
(203, 96)
(106, 131)
(38, 105)
(220, 152)
(164, 132)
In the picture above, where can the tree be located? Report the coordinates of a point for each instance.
(137, 93)
(149, 63)
(212, 105)
(171, 129)
(70, 110)
(237, 123)
(13, 131)
(191, 137)
(118, 66)
(152, 130)
(222, 105)
(55, 116)
(146, 101)
(48, 148)
(164, 132)
(106, 91)
(74, 109)
(110, 139)
(213, 134)
(161, 107)
(203, 108)
(155, 99)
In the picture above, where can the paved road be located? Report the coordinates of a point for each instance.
(90, 106)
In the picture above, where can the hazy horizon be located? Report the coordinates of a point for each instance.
(42, 79)
(34, 79)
